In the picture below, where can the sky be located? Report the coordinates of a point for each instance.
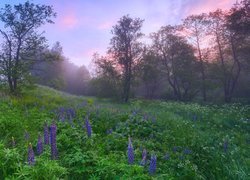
(83, 27)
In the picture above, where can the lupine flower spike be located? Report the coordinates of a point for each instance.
(46, 133)
(26, 135)
(144, 157)
(152, 166)
(187, 151)
(39, 146)
(130, 152)
(31, 156)
(53, 141)
(88, 127)
(109, 131)
(225, 146)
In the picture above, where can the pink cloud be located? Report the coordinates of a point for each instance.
(69, 21)
(210, 5)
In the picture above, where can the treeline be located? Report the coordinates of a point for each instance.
(60, 73)
(205, 58)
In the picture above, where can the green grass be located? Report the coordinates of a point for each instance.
(167, 129)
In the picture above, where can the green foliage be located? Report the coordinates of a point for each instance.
(44, 169)
(190, 141)
(57, 83)
(104, 87)
(9, 160)
(20, 36)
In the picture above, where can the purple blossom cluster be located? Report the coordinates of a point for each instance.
(152, 166)
(46, 133)
(39, 146)
(66, 114)
(31, 155)
(130, 152)
(53, 141)
(88, 127)
(144, 158)
(49, 136)
(187, 151)
(225, 146)
(109, 131)
(153, 161)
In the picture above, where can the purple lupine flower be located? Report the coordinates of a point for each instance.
(144, 157)
(53, 141)
(31, 155)
(145, 117)
(225, 146)
(152, 166)
(130, 152)
(187, 151)
(175, 149)
(109, 131)
(26, 135)
(72, 112)
(46, 133)
(195, 117)
(61, 115)
(39, 146)
(88, 127)
(13, 142)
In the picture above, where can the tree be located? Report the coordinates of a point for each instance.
(239, 18)
(178, 58)
(126, 49)
(238, 22)
(150, 74)
(83, 78)
(21, 40)
(228, 44)
(196, 29)
(106, 82)
(49, 67)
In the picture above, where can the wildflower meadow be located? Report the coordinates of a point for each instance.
(48, 134)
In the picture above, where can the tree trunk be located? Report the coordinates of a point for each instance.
(127, 81)
(10, 82)
(203, 77)
(16, 64)
(233, 79)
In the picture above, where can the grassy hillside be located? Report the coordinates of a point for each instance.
(190, 141)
